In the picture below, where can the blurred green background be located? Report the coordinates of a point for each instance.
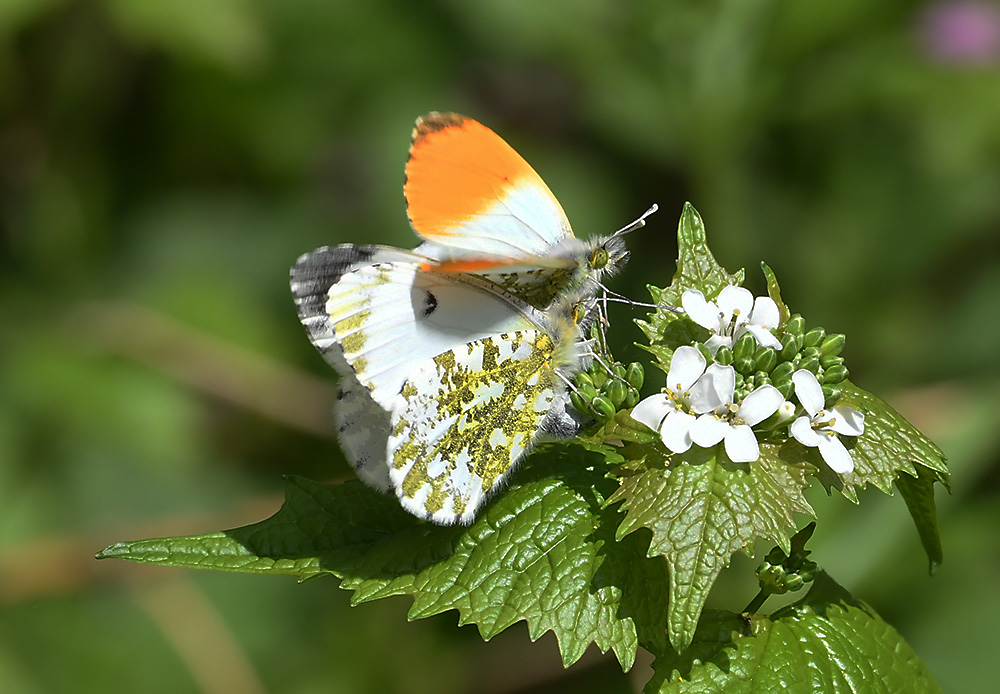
(163, 163)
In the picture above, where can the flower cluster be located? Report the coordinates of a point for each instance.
(755, 382)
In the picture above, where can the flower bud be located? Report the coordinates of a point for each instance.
(828, 360)
(598, 375)
(811, 364)
(833, 344)
(761, 378)
(583, 379)
(831, 394)
(744, 346)
(814, 338)
(786, 388)
(602, 408)
(618, 369)
(796, 325)
(808, 352)
(700, 346)
(835, 374)
(579, 404)
(745, 366)
(631, 399)
(782, 372)
(724, 356)
(587, 391)
(635, 375)
(766, 359)
(789, 347)
(616, 391)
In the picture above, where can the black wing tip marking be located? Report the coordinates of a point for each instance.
(315, 272)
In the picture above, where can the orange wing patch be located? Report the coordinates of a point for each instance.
(458, 168)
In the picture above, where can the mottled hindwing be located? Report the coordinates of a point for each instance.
(465, 418)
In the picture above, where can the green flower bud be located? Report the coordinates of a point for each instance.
(745, 366)
(761, 378)
(835, 374)
(602, 408)
(811, 364)
(616, 391)
(796, 325)
(587, 391)
(834, 344)
(740, 379)
(766, 359)
(828, 360)
(809, 352)
(635, 375)
(786, 388)
(814, 338)
(579, 404)
(789, 347)
(704, 352)
(598, 375)
(782, 372)
(724, 356)
(744, 347)
(631, 399)
(618, 370)
(583, 379)
(831, 394)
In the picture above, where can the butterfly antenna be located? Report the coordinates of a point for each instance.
(615, 297)
(637, 224)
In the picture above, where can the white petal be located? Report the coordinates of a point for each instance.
(652, 410)
(708, 430)
(676, 431)
(765, 312)
(802, 431)
(760, 405)
(703, 312)
(686, 366)
(808, 391)
(732, 299)
(713, 343)
(714, 389)
(764, 336)
(848, 421)
(836, 455)
(741, 444)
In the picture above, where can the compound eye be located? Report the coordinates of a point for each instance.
(599, 258)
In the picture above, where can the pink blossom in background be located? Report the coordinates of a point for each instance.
(961, 31)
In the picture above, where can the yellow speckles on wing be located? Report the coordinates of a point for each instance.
(488, 426)
(354, 342)
(351, 323)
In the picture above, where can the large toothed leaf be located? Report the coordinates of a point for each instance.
(701, 510)
(828, 642)
(543, 552)
(697, 268)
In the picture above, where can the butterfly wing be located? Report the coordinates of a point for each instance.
(482, 209)
(471, 194)
(465, 418)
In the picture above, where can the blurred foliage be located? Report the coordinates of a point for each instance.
(163, 163)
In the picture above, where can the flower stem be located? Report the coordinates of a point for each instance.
(757, 602)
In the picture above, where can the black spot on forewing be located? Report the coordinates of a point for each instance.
(430, 304)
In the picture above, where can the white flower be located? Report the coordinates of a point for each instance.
(734, 312)
(667, 412)
(820, 428)
(723, 420)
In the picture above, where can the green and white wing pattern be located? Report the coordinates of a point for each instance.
(465, 418)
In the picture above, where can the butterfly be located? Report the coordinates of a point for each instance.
(454, 358)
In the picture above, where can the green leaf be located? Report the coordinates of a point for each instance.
(889, 445)
(697, 268)
(774, 291)
(701, 510)
(543, 552)
(828, 642)
(918, 493)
